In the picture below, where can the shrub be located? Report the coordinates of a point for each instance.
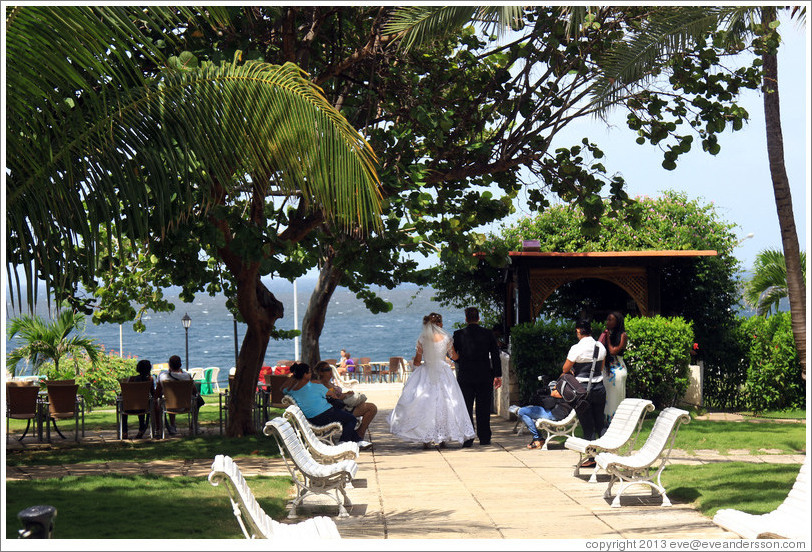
(539, 350)
(773, 366)
(98, 382)
(657, 357)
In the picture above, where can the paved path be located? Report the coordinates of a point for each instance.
(501, 491)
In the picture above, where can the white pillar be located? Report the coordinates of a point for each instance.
(295, 322)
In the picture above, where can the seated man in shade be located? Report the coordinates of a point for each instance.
(545, 404)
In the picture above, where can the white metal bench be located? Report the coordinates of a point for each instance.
(327, 433)
(321, 452)
(253, 520)
(790, 520)
(629, 415)
(645, 465)
(561, 428)
(309, 476)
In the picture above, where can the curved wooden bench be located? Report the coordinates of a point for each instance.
(327, 433)
(560, 428)
(253, 520)
(629, 416)
(310, 476)
(647, 464)
(320, 451)
(790, 520)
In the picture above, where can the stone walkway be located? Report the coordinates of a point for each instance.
(501, 491)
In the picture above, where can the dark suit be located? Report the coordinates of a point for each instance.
(477, 366)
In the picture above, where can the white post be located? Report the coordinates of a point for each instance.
(295, 322)
(120, 341)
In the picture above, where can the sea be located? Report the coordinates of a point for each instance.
(348, 325)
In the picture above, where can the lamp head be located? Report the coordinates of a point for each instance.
(186, 321)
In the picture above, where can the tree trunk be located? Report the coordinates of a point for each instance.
(796, 287)
(260, 310)
(313, 322)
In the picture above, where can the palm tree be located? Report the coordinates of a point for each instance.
(104, 132)
(109, 139)
(44, 340)
(670, 32)
(768, 285)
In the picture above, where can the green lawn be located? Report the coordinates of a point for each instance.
(789, 438)
(753, 488)
(140, 507)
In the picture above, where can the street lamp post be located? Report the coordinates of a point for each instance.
(186, 321)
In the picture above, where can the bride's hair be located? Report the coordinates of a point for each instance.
(434, 318)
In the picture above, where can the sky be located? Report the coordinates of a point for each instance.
(737, 180)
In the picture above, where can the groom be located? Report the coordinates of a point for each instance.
(479, 372)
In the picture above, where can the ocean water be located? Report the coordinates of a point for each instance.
(348, 325)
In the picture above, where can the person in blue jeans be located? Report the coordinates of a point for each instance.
(544, 405)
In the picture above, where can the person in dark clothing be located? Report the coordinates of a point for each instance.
(479, 372)
(579, 363)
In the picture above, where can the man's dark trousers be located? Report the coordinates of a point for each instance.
(482, 395)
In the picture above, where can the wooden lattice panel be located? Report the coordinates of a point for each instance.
(632, 280)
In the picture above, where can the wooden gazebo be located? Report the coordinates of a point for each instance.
(532, 276)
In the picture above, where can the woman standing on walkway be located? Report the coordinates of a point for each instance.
(614, 339)
(431, 408)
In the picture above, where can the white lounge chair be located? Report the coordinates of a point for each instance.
(327, 433)
(790, 520)
(646, 464)
(253, 520)
(321, 452)
(629, 415)
(309, 476)
(560, 428)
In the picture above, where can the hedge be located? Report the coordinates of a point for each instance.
(657, 355)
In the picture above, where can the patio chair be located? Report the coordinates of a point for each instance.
(61, 382)
(789, 521)
(210, 384)
(177, 399)
(561, 428)
(21, 404)
(364, 368)
(197, 374)
(643, 466)
(397, 368)
(310, 477)
(621, 432)
(253, 520)
(63, 404)
(327, 433)
(135, 398)
(274, 384)
(321, 452)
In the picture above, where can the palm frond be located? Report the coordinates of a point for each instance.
(768, 286)
(668, 30)
(420, 24)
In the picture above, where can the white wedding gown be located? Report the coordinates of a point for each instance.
(431, 406)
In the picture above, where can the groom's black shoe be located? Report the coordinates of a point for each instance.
(468, 443)
(484, 443)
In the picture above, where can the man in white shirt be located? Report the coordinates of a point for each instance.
(579, 362)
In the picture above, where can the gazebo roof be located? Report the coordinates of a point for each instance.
(672, 253)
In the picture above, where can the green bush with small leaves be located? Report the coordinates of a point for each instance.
(773, 366)
(657, 355)
(98, 382)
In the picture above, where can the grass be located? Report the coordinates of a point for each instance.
(752, 488)
(725, 436)
(140, 506)
(791, 414)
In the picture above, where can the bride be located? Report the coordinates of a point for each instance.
(431, 408)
